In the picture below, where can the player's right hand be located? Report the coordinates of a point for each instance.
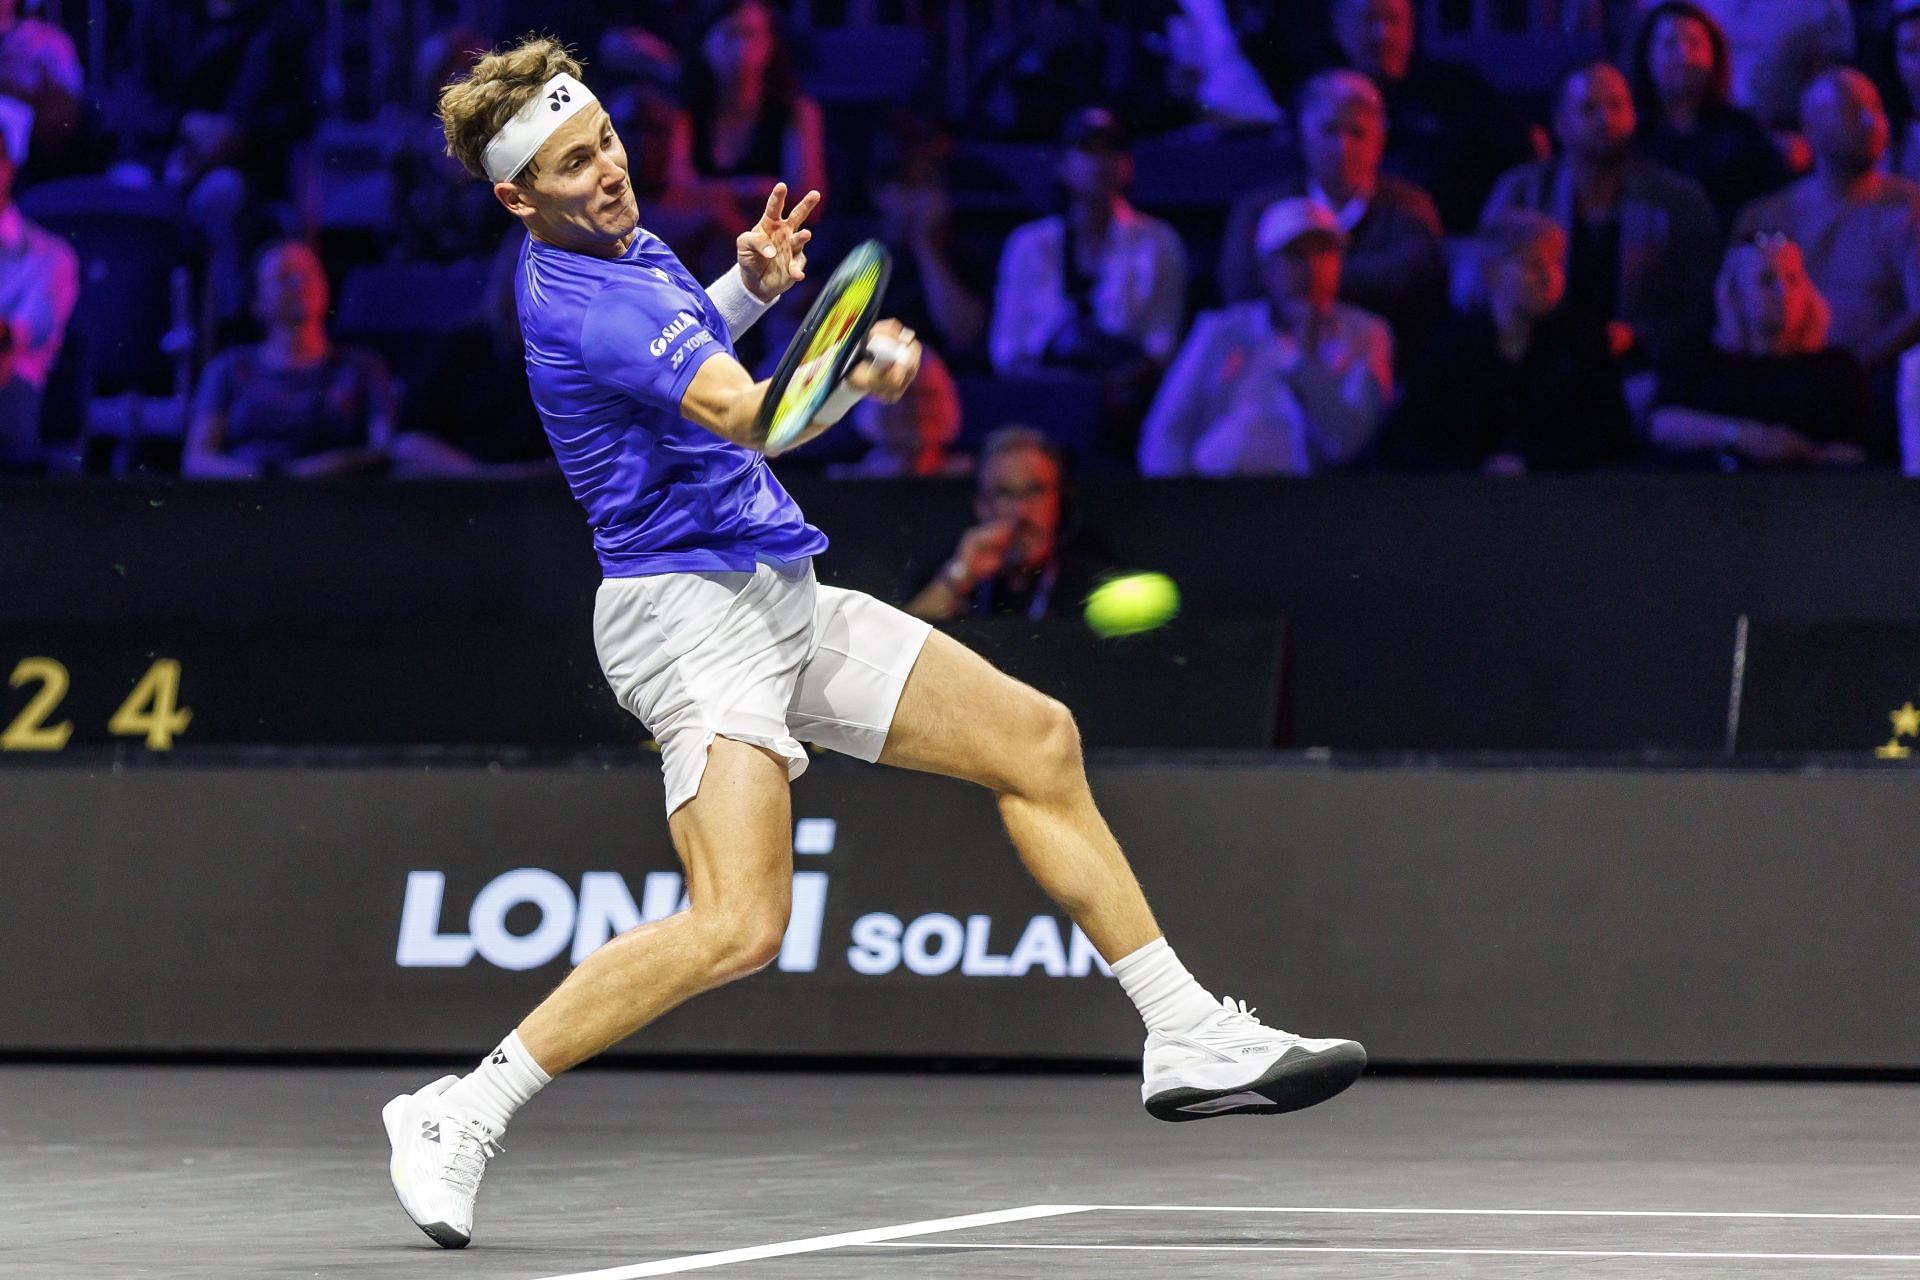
(888, 382)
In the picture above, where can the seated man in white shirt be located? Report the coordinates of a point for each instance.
(1097, 287)
(1294, 383)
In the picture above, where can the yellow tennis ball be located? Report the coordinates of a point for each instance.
(1131, 604)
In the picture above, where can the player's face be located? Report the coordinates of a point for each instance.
(1022, 487)
(579, 195)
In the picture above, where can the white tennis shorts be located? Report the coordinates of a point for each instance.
(768, 657)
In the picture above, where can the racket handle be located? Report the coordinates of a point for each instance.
(884, 352)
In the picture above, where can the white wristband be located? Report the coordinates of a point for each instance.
(884, 352)
(735, 302)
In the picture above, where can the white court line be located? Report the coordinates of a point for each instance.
(1506, 1213)
(1435, 1252)
(873, 1235)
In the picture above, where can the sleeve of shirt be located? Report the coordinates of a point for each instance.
(1010, 334)
(1910, 260)
(629, 341)
(45, 308)
(1167, 306)
(1167, 436)
(215, 392)
(376, 392)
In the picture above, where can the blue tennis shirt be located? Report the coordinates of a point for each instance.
(612, 345)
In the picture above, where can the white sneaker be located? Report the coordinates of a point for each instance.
(439, 1157)
(1234, 1064)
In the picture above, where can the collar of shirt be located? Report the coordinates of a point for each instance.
(1348, 214)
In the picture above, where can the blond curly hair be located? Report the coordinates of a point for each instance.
(475, 107)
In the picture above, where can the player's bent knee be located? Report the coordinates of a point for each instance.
(750, 941)
(1049, 756)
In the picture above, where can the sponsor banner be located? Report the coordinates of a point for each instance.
(1475, 916)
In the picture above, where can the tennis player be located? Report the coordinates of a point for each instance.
(712, 630)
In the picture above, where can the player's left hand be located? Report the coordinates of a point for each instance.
(773, 254)
(888, 383)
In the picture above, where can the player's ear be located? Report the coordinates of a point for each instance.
(514, 197)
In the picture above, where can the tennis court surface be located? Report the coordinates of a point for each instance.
(217, 1172)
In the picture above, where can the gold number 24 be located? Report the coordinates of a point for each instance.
(151, 711)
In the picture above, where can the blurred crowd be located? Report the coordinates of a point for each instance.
(1183, 237)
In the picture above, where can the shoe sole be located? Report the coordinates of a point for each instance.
(438, 1232)
(1292, 1084)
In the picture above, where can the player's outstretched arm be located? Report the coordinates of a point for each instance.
(724, 399)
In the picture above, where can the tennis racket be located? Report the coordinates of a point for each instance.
(831, 340)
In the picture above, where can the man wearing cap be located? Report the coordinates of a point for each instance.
(39, 285)
(1396, 264)
(1098, 284)
(1293, 383)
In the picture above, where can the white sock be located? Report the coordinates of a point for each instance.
(500, 1085)
(1161, 988)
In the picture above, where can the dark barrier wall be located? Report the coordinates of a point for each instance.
(1590, 917)
(1595, 613)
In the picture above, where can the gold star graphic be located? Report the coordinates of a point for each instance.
(1894, 750)
(1906, 722)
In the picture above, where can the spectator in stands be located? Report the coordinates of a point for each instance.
(438, 212)
(1770, 390)
(1394, 266)
(293, 404)
(1643, 241)
(1448, 132)
(1016, 560)
(913, 435)
(746, 123)
(1683, 94)
(1292, 384)
(1777, 47)
(39, 284)
(1098, 287)
(241, 75)
(470, 414)
(1523, 384)
(929, 289)
(40, 67)
(1858, 226)
(1901, 85)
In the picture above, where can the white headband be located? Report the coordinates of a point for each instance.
(519, 138)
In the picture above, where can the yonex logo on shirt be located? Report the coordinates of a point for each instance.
(681, 323)
(690, 346)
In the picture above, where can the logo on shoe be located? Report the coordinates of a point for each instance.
(430, 1130)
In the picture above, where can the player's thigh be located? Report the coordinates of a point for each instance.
(735, 836)
(961, 716)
